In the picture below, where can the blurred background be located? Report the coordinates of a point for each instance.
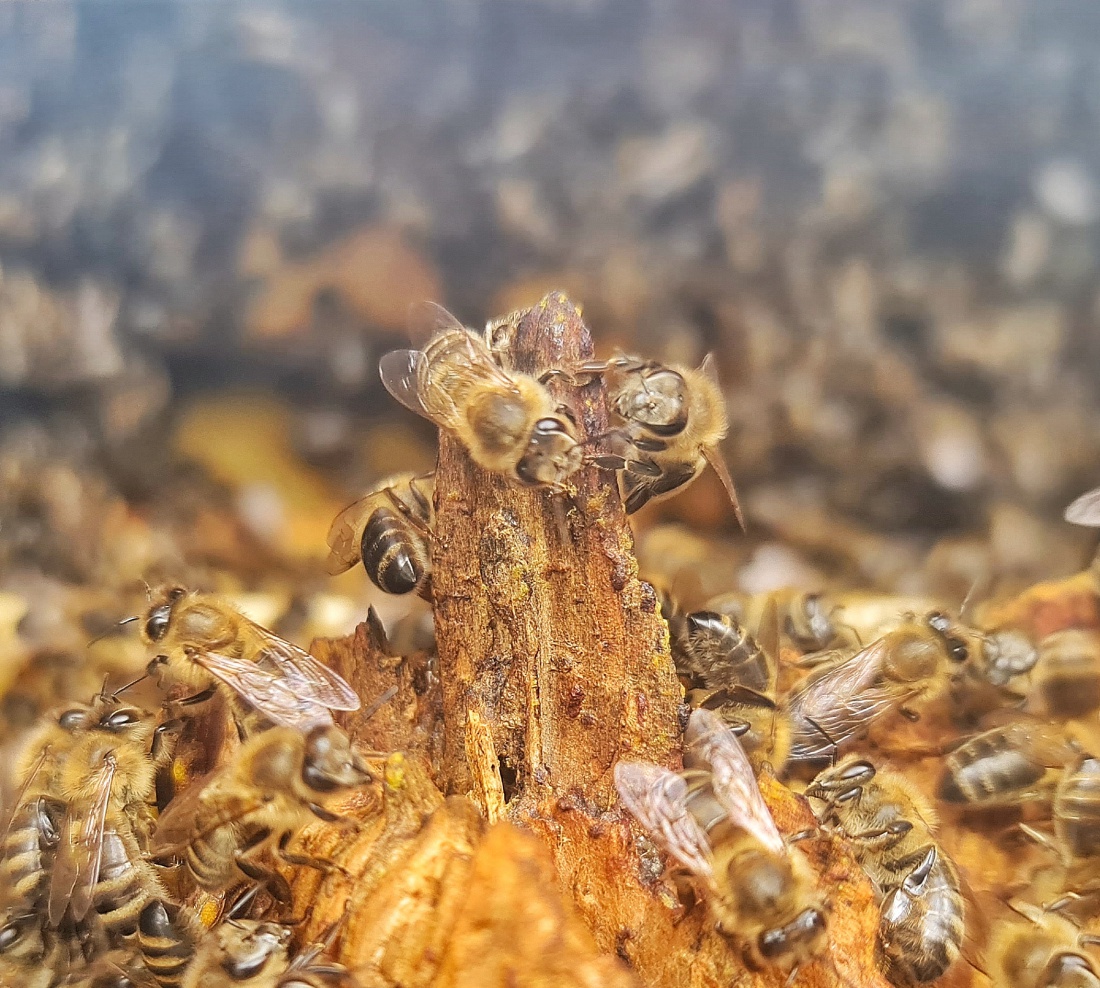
(881, 216)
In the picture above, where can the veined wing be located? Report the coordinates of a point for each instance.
(657, 799)
(842, 703)
(308, 675)
(732, 777)
(401, 372)
(713, 456)
(427, 320)
(77, 861)
(344, 537)
(274, 696)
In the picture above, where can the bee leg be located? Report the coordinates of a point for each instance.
(201, 697)
(909, 714)
(560, 372)
(308, 861)
(275, 884)
(158, 750)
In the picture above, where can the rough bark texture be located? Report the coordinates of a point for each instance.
(544, 630)
(553, 665)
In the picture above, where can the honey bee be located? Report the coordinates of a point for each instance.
(673, 420)
(890, 829)
(1066, 676)
(1003, 655)
(1077, 812)
(1006, 766)
(509, 422)
(1085, 510)
(1044, 951)
(274, 785)
(205, 643)
(713, 822)
(167, 935)
(30, 957)
(805, 618)
(914, 662)
(387, 530)
(727, 670)
(105, 781)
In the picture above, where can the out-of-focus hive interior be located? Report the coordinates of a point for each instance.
(881, 219)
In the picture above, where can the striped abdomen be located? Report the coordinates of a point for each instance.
(125, 884)
(718, 652)
(922, 926)
(28, 848)
(394, 554)
(1077, 810)
(166, 945)
(991, 770)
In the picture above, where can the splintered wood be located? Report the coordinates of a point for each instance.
(553, 664)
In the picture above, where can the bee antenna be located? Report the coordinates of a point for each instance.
(380, 703)
(111, 630)
(123, 689)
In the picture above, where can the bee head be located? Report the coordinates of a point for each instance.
(655, 400)
(552, 453)
(331, 762)
(160, 614)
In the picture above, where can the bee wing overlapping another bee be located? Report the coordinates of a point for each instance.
(436, 388)
(77, 861)
(284, 682)
(732, 777)
(842, 703)
(657, 798)
(345, 550)
(713, 454)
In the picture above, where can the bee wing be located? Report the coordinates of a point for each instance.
(732, 777)
(842, 703)
(644, 481)
(428, 319)
(344, 539)
(76, 863)
(401, 372)
(1085, 510)
(657, 799)
(173, 827)
(318, 681)
(713, 456)
(274, 696)
(13, 800)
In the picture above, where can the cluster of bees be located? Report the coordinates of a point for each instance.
(105, 838)
(109, 876)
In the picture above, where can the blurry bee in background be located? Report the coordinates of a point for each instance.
(274, 785)
(1085, 510)
(805, 618)
(1043, 950)
(509, 422)
(105, 781)
(1006, 766)
(914, 662)
(1065, 681)
(387, 531)
(206, 644)
(1003, 655)
(712, 821)
(728, 671)
(889, 828)
(673, 420)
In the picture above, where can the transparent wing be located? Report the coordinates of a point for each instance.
(275, 697)
(429, 319)
(732, 777)
(401, 372)
(318, 681)
(76, 863)
(14, 800)
(1085, 510)
(657, 799)
(174, 825)
(842, 703)
(344, 538)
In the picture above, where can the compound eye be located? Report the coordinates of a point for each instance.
(157, 624)
(938, 622)
(70, 720)
(859, 770)
(548, 427)
(957, 649)
(121, 718)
